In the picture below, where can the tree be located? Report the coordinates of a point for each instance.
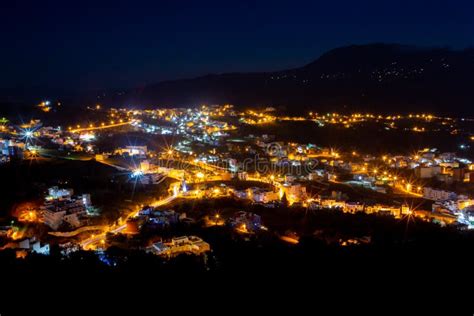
(284, 200)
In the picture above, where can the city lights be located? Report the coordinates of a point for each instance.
(213, 170)
(137, 173)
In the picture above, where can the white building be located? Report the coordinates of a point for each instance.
(139, 151)
(427, 172)
(64, 208)
(264, 196)
(242, 175)
(178, 245)
(34, 246)
(57, 193)
(294, 192)
(438, 195)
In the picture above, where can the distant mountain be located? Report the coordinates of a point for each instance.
(374, 77)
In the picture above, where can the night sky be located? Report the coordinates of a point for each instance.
(119, 44)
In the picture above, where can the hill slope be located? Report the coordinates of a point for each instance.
(378, 77)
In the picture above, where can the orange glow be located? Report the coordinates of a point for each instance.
(28, 216)
(21, 254)
(14, 234)
(290, 240)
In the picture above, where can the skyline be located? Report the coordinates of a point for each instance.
(86, 48)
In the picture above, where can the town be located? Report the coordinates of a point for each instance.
(302, 156)
(213, 155)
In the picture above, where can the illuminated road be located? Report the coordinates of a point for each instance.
(164, 201)
(206, 166)
(94, 239)
(199, 164)
(112, 165)
(403, 190)
(88, 129)
(400, 188)
(75, 232)
(289, 239)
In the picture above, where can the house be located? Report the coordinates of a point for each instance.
(34, 246)
(294, 192)
(438, 195)
(246, 221)
(61, 207)
(179, 245)
(427, 172)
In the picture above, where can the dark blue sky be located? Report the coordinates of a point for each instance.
(108, 44)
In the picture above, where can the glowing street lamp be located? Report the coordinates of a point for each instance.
(27, 135)
(137, 173)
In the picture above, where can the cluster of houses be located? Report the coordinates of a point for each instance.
(179, 245)
(61, 207)
(458, 207)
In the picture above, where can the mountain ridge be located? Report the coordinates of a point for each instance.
(379, 77)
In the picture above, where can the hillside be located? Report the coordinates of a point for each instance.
(379, 77)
